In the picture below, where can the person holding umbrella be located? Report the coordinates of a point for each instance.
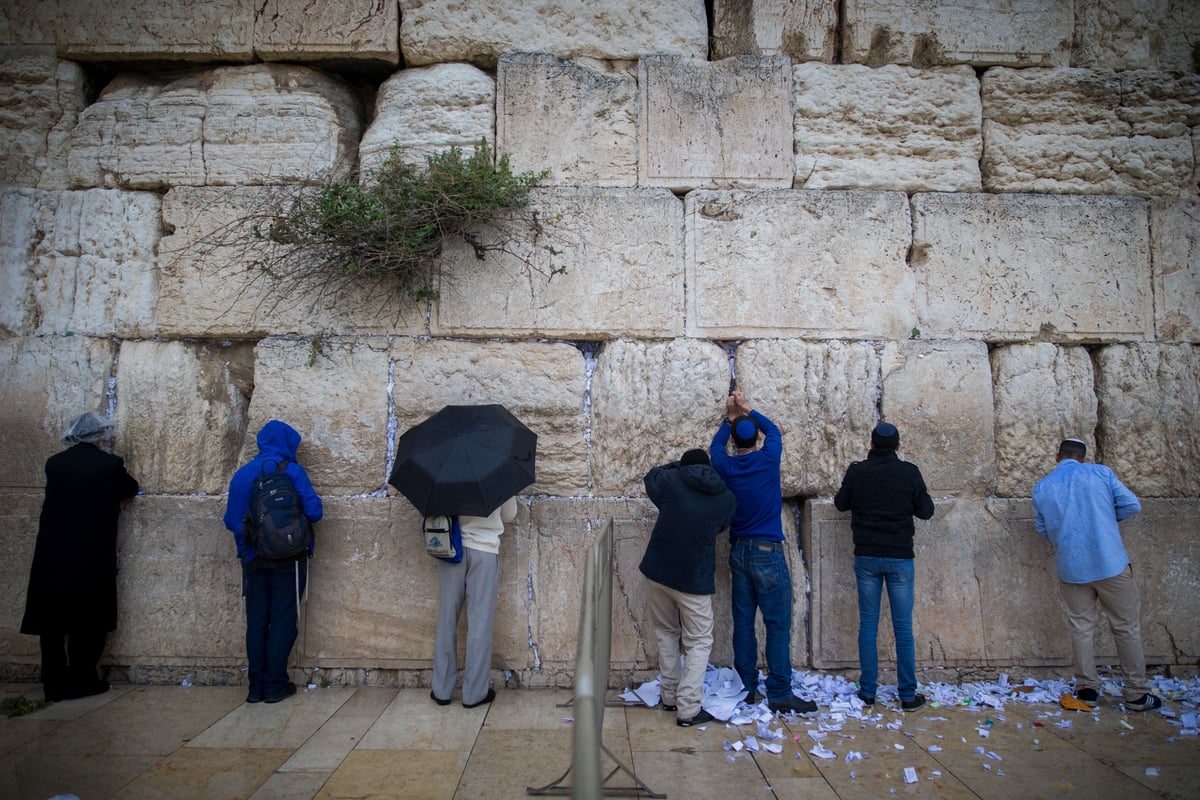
(468, 462)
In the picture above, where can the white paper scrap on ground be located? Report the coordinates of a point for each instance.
(898, 746)
(1152, 772)
(1064, 724)
(853, 755)
(910, 775)
(933, 748)
(994, 756)
(821, 752)
(773, 747)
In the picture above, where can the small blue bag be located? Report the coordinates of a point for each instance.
(443, 538)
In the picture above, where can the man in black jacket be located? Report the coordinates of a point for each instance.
(883, 494)
(694, 506)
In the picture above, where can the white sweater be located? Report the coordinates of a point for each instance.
(483, 533)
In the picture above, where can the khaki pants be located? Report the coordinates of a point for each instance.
(1118, 596)
(683, 624)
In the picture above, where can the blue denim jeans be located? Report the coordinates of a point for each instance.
(872, 573)
(271, 595)
(761, 581)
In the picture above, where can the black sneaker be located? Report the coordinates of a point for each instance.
(793, 705)
(752, 699)
(438, 700)
(668, 707)
(487, 698)
(288, 691)
(868, 699)
(699, 719)
(1147, 702)
(1090, 697)
(912, 705)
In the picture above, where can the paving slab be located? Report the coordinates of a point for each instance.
(205, 773)
(344, 731)
(287, 724)
(408, 774)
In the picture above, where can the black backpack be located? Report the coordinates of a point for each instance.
(275, 527)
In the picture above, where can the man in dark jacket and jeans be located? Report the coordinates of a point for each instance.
(693, 507)
(883, 494)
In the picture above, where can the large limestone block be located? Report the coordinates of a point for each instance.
(650, 402)
(144, 30)
(889, 128)
(929, 33)
(1165, 552)
(823, 396)
(333, 391)
(480, 31)
(1175, 254)
(939, 394)
(19, 511)
(214, 280)
(622, 250)
(1149, 414)
(78, 262)
(1082, 131)
(427, 111)
(228, 126)
(40, 101)
(803, 30)
(181, 409)
(45, 382)
(541, 383)
(721, 124)
(348, 32)
(576, 119)
(799, 263)
(1019, 267)
(1043, 393)
(1152, 34)
(179, 586)
(28, 22)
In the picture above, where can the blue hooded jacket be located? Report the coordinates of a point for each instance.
(277, 441)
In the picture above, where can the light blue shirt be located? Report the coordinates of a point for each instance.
(1077, 507)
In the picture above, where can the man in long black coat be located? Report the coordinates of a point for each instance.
(72, 599)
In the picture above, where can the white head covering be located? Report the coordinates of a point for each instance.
(90, 428)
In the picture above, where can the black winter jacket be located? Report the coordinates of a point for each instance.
(694, 506)
(883, 494)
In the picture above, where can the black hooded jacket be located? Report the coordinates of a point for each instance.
(694, 506)
(883, 494)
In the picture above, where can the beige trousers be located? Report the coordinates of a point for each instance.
(683, 625)
(1118, 596)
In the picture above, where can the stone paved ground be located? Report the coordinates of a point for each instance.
(203, 742)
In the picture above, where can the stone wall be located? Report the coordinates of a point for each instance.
(982, 225)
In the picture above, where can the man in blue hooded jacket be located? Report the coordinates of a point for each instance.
(272, 588)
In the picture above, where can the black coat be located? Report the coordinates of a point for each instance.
(694, 506)
(883, 494)
(73, 580)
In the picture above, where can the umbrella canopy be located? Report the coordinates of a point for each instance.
(464, 460)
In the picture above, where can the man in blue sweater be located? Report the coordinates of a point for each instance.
(1077, 507)
(883, 494)
(757, 562)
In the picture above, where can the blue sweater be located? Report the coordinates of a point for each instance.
(754, 480)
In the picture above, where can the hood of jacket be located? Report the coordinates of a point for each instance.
(702, 478)
(278, 440)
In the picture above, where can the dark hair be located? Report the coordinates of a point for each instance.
(694, 456)
(1072, 448)
(745, 432)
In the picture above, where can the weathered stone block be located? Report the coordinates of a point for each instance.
(40, 101)
(722, 124)
(78, 262)
(19, 511)
(480, 31)
(1020, 33)
(1018, 267)
(798, 263)
(179, 586)
(804, 30)
(578, 120)
(28, 22)
(1118, 34)
(333, 391)
(650, 402)
(1043, 393)
(1149, 413)
(1079, 131)
(635, 289)
(541, 383)
(297, 30)
(428, 110)
(193, 129)
(887, 128)
(1175, 254)
(144, 30)
(182, 412)
(939, 394)
(213, 281)
(45, 382)
(822, 396)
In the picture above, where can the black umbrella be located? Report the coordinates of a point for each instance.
(464, 460)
